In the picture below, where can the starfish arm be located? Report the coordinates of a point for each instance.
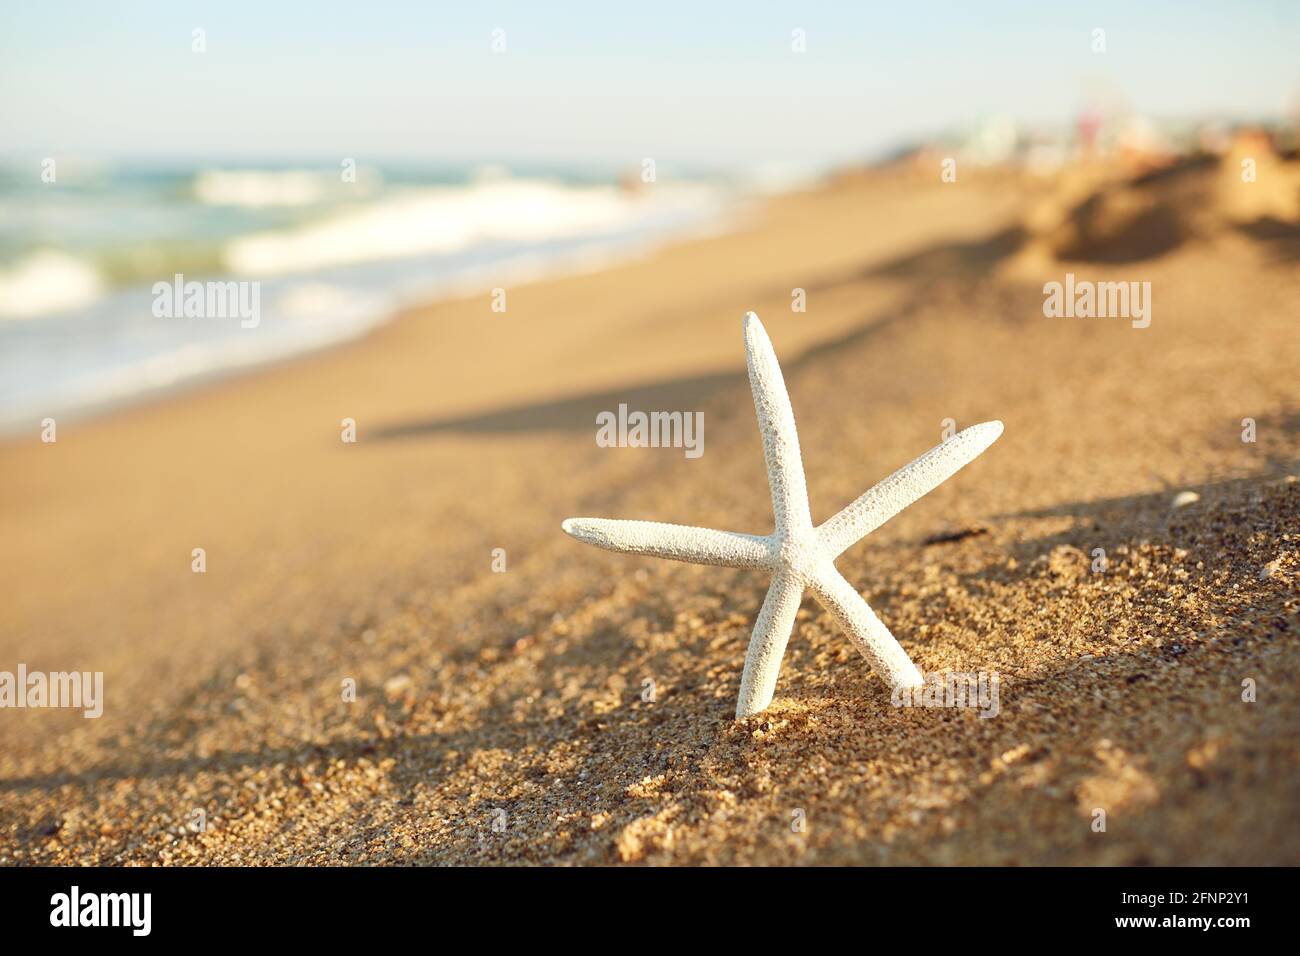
(674, 541)
(885, 655)
(889, 497)
(767, 643)
(777, 429)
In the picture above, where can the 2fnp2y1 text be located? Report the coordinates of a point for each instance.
(1194, 897)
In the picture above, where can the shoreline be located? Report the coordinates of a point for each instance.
(741, 214)
(592, 254)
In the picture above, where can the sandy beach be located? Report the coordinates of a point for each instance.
(501, 717)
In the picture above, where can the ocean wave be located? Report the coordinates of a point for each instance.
(324, 277)
(443, 220)
(487, 216)
(262, 188)
(47, 281)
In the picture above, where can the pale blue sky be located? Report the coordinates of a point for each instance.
(697, 83)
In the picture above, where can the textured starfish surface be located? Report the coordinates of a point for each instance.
(798, 555)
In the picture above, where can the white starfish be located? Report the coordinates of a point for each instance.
(798, 555)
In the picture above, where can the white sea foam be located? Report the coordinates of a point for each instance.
(259, 188)
(47, 281)
(445, 220)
